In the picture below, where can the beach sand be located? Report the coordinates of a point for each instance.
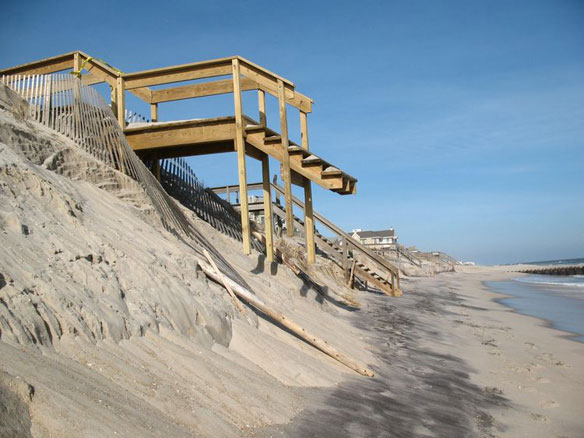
(453, 362)
(107, 329)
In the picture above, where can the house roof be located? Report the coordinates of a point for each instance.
(380, 233)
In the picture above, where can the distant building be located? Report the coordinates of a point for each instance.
(379, 241)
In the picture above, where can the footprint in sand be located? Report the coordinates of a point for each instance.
(540, 418)
(546, 404)
(526, 388)
(549, 358)
(542, 380)
(531, 346)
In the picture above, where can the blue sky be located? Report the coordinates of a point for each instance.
(462, 120)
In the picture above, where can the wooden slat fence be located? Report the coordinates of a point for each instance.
(63, 103)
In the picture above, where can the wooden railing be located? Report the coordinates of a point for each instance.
(63, 103)
(180, 182)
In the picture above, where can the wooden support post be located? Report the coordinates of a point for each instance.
(240, 146)
(154, 118)
(228, 194)
(76, 63)
(154, 112)
(308, 212)
(262, 107)
(352, 276)
(286, 174)
(268, 216)
(120, 102)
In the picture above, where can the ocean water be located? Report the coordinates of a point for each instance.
(569, 262)
(558, 299)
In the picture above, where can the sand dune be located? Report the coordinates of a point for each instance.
(107, 329)
(103, 313)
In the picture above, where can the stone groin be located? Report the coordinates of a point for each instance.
(557, 270)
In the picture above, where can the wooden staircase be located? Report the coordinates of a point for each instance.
(367, 265)
(335, 252)
(302, 162)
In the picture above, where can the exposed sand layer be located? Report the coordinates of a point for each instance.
(453, 363)
(104, 317)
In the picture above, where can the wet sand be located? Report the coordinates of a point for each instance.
(453, 363)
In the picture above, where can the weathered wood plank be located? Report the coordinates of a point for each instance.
(203, 89)
(308, 211)
(43, 66)
(170, 75)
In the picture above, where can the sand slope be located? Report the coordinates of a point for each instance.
(103, 314)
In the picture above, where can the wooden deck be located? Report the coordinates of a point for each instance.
(238, 133)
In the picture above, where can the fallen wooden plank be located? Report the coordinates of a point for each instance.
(222, 279)
(281, 319)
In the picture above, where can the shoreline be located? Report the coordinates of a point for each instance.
(537, 288)
(547, 323)
(453, 362)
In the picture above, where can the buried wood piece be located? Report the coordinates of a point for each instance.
(352, 276)
(222, 280)
(281, 319)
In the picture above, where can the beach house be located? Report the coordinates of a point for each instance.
(379, 241)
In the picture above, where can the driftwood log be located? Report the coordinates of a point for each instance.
(223, 282)
(253, 300)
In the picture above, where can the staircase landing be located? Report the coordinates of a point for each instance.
(217, 135)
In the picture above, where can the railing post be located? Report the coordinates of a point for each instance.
(262, 107)
(268, 216)
(286, 175)
(120, 102)
(308, 212)
(76, 63)
(154, 112)
(240, 146)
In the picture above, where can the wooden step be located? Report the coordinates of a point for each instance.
(331, 171)
(254, 128)
(273, 139)
(312, 159)
(294, 149)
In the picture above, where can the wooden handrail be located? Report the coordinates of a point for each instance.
(138, 82)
